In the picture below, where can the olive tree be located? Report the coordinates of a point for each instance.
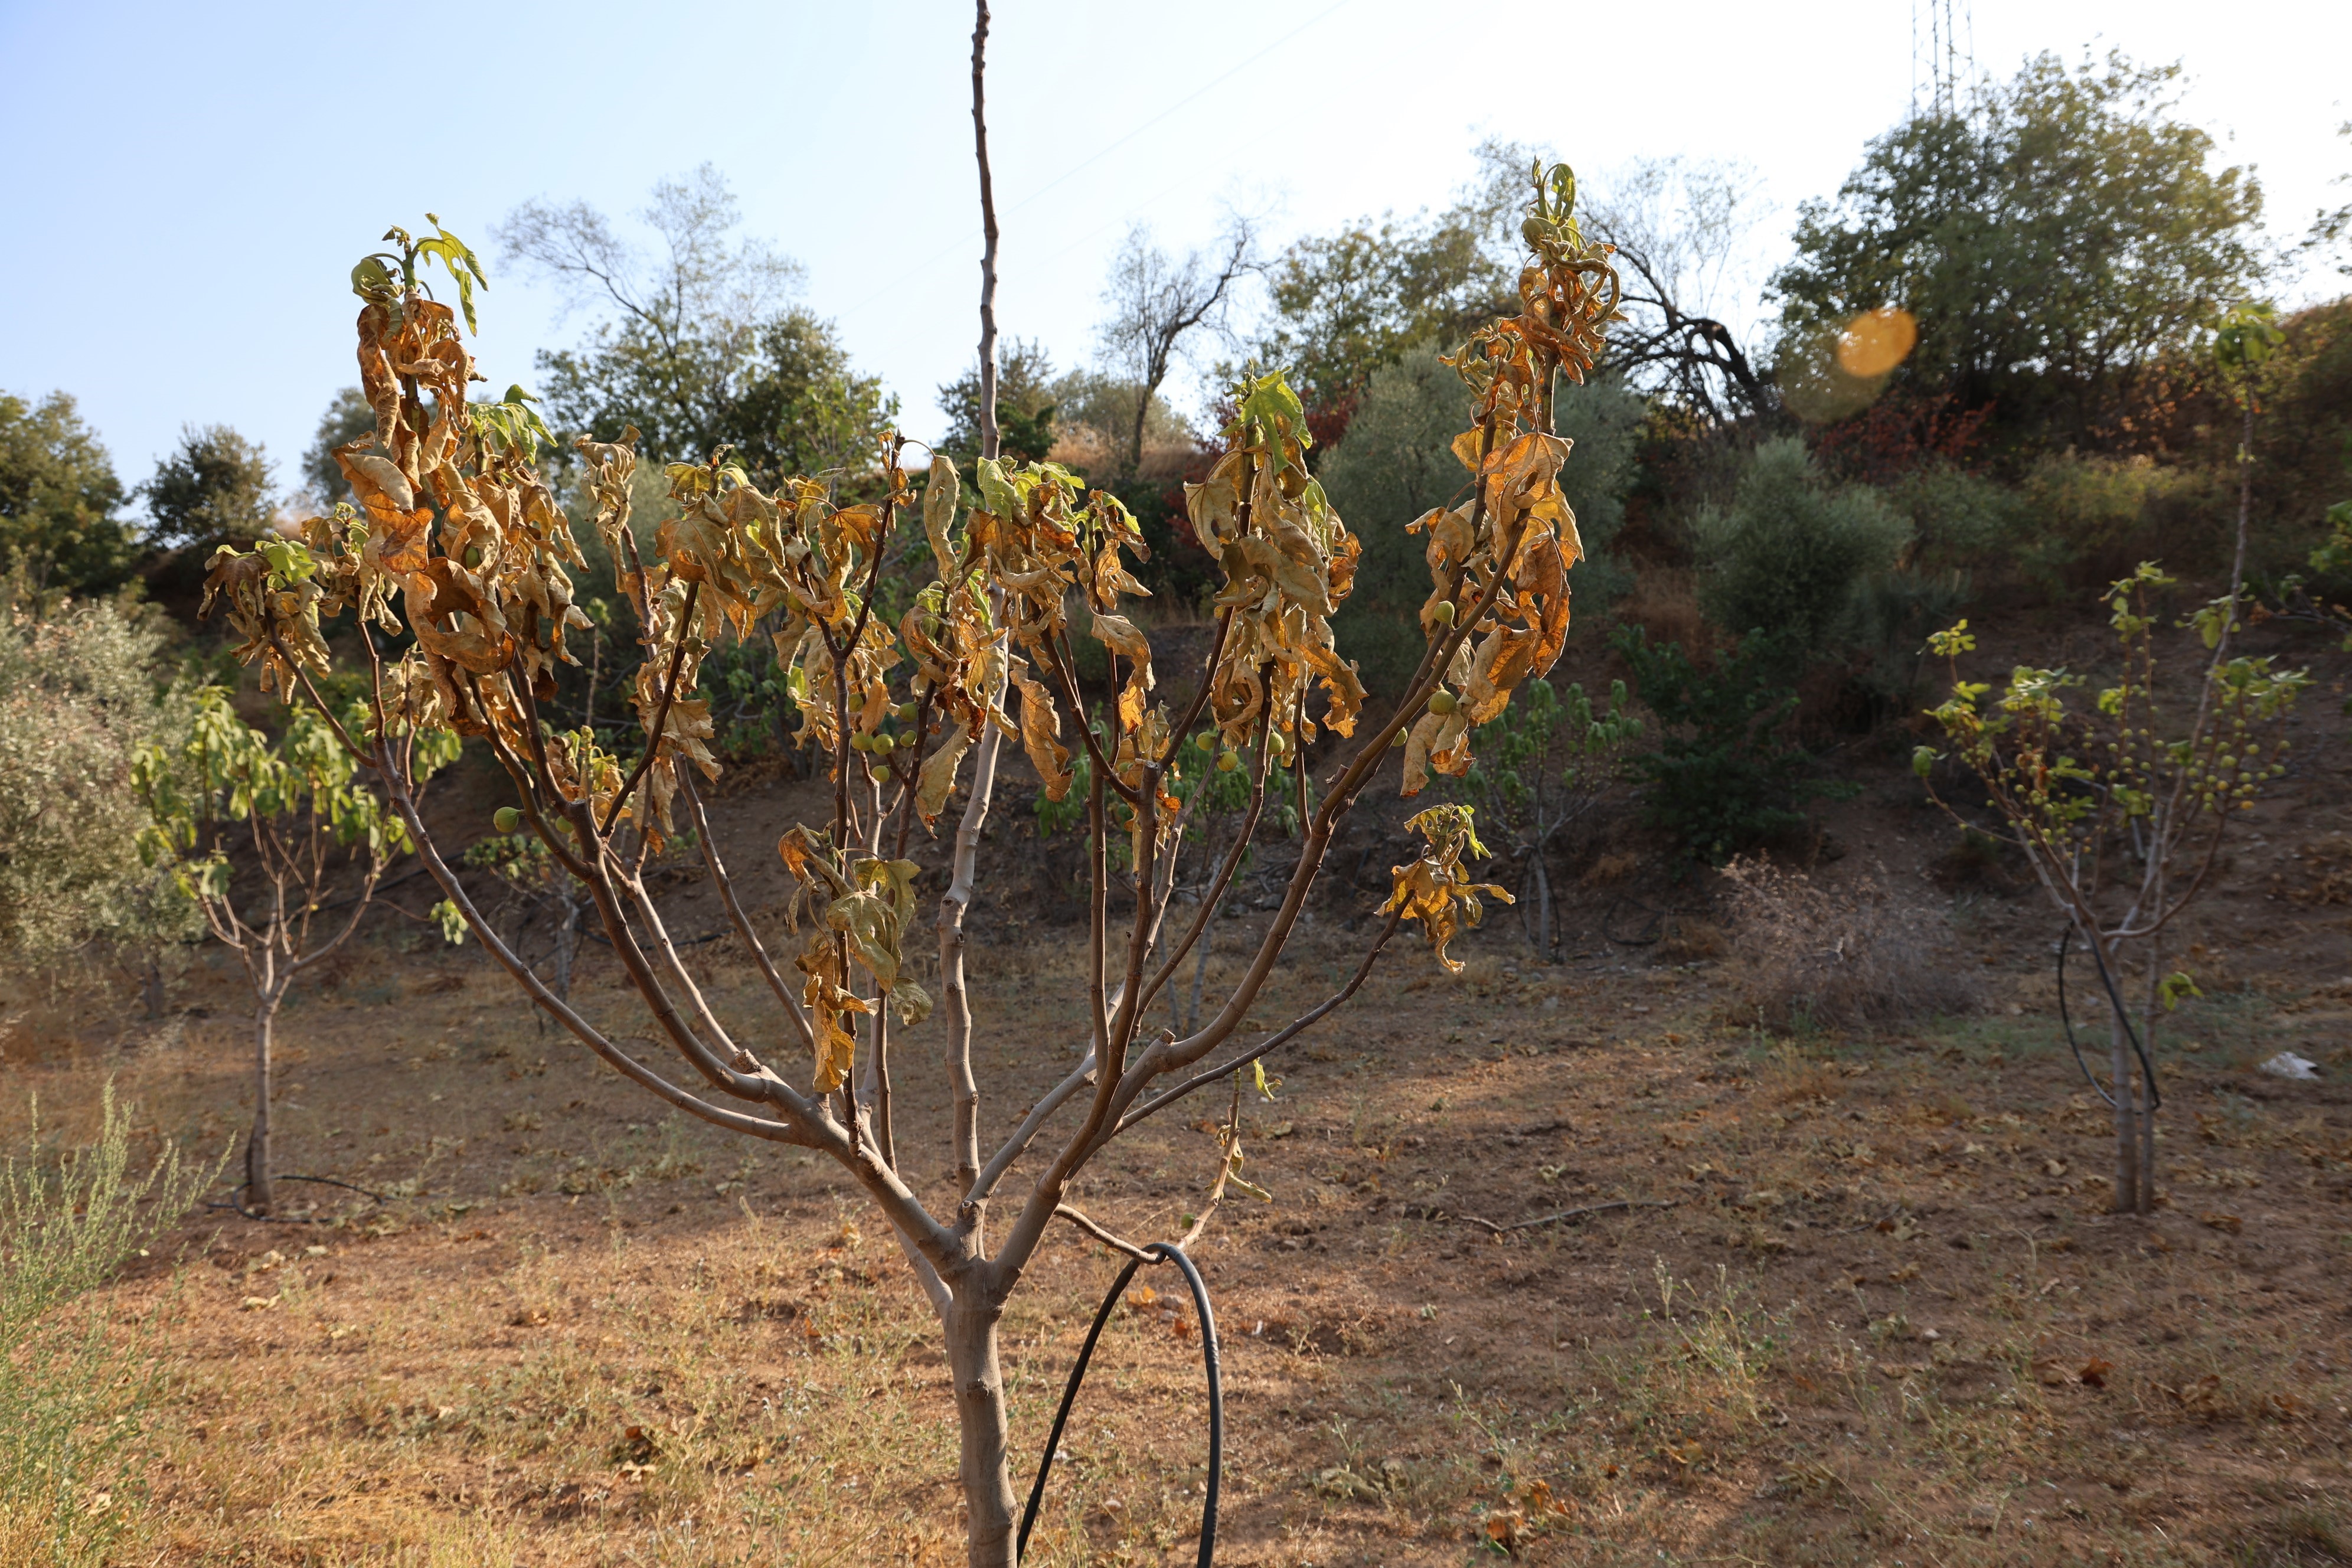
(463, 548)
(84, 688)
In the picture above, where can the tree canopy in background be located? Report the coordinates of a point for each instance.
(2056, 239)
(1027, 397)
(347, 418)
(59, 497)
(215, 486)
(1679, 224)
(1156, 302)
(698, 346)
(1345, 304)
(1394, 465)
(82, 689)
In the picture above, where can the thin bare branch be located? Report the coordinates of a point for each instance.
(661, 715)
(735, 915)
(1116, 1243)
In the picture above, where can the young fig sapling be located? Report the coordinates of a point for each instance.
(2120, 808)
(292, 817)
(463, 547)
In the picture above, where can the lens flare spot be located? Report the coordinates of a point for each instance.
(1876, 341)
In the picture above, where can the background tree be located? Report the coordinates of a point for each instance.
(2330, 230)
(1680, 226)
(698, 346)
(59, 499)
(84, 688)
(1028, 398)
(347, 418)
(1546, 761)
(216, 488)
(2056, 240)
(1156, 302)
(1344, 305)
(291, 815)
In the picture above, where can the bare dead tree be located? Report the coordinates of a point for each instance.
(1678, 227)
(697, 272)
(895, 709)
(1156, 302)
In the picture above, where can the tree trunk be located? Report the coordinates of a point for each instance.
(1201, 963)
(261, 1193)
(567, 944)
(979, 1416)
(2122, 1073)
(2150, 1016)
(1536, 914)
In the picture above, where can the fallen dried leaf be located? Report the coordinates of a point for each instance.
(2203, 1396)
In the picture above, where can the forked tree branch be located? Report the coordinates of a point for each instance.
(1275, 1041)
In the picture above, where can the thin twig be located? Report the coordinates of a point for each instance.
(1570, 1213)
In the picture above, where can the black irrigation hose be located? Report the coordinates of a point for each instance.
(2147, 1068)
(292, 1219)
(1166, 1253)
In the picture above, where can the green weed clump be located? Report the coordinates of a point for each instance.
(73, 1385)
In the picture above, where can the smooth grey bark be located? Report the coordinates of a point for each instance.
(975, 1305)
(979, 1417)
(261, 1191)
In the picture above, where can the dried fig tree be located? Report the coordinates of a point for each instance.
(461, 547)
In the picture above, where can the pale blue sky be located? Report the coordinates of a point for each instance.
(185, 187)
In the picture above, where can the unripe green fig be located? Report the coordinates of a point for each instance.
(1227, 761)
(859, 743)
(1206, 740)
(1443, 703)
(506, 819)
(882, 746)
(1443, 614)
(908, 712)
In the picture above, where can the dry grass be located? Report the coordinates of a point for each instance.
(1848, 956)
(1853, 1323)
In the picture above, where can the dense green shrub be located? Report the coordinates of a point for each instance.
(1727, 775)
(2093, 518)
(1791, 549)
(1958, 519)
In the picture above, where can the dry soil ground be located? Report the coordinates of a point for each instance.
(1841, 1299)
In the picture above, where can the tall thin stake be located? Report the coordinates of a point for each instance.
(955, 1001)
